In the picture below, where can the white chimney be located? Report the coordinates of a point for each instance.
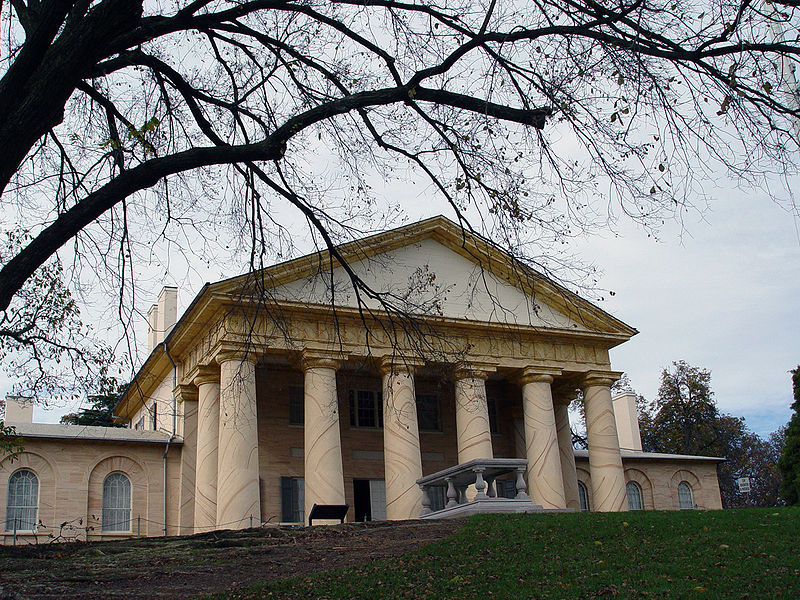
(152, 325)
(627, 420)
(18, 410)
(162, 316)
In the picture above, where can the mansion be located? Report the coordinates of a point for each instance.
(366, 384)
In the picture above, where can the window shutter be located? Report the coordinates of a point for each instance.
(287, 510)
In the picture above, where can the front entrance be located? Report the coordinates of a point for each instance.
(369, 499)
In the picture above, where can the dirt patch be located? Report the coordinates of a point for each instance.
(194, 566)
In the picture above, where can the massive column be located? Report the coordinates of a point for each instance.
(187, 396)
(605, 462)
(545, 483)
(472, 414)
(205, 491)
(324, 478)
(401, 450)
(238, 494)
(567, 454)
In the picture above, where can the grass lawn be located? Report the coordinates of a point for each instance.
(748, 553)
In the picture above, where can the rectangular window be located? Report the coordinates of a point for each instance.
(428, 412)
(296, 405)
(492, 406)
(154, 415)
(366, 409)
(292, 500)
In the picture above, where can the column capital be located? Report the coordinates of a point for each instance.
(392, 363)
(474, 370)
(320, 359)
(206, 374)
(537, 374)
(183, 392)
(239, 352)
(600, 378)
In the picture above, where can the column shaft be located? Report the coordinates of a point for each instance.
(238, 494)
(205, 494)
(401, 449)
(188, 459)
(324, 478)
(605, 462)
(567, 455)
(472, 418)
(545, 483)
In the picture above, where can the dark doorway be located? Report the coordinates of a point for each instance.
(361, 503)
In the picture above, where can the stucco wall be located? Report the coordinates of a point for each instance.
(659, 479)
(71, 474)
(162, 397)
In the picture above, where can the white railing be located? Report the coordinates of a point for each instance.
(482, 473)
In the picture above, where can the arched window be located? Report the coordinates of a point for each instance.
(117, 502)
(634, 495)
(583, 496)
(23, 501)
(685, 500)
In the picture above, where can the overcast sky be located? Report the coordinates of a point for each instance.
(723, 295)
(720, 292)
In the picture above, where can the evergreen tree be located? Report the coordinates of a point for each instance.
(789, 463)
(102, 409)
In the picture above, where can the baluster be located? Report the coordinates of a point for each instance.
(426, 501)
(462, 494)
(490, 491)
(480, 484)
(452, 495)
(522, 489)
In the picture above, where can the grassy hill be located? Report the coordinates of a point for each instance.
(748, 553)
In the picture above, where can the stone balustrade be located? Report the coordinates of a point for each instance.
(482, 473)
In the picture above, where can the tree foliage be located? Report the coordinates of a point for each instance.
(685, 419)
(789, 463)
(44, 345)
(192, 122)
(101, 411)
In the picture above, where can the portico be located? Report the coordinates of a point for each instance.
(347, 425)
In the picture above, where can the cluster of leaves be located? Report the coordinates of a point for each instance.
(789, 463)
(45, 349)
(101, 411)
(684, 419)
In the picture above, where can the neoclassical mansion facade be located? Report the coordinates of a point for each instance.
(277, 391)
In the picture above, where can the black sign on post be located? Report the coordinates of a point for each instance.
(328, 511)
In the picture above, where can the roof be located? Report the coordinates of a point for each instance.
(638, 454)
(91, 433)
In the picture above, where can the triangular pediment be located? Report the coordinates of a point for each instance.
(434, 268)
